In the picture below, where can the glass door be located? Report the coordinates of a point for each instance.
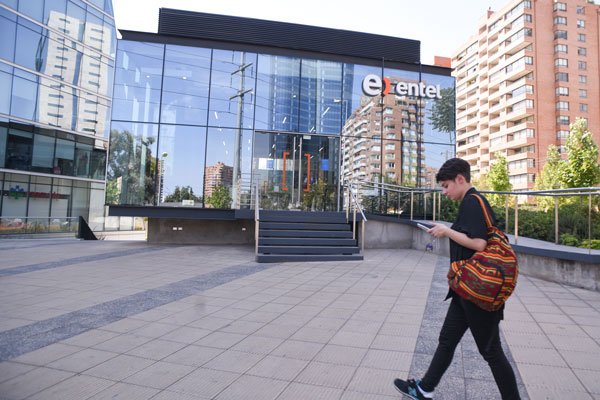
(296, 172)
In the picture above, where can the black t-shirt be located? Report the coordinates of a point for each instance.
(470, 221)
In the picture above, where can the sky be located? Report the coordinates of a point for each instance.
(442, 26)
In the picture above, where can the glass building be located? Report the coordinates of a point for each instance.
(56, 79)
(212, 107)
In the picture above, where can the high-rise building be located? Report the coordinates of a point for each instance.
(56, 79)
(529, 71)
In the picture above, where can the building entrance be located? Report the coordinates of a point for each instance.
(296, 172)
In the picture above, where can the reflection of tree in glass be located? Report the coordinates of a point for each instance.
(182, 193)
(220, 197)
(442, 113)
(128, 182)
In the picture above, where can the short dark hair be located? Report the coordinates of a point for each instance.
(452, 168)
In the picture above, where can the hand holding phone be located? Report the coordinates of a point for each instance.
(424, 227)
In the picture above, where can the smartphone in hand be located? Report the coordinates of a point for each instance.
(424, 227)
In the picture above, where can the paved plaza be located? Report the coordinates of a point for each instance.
(129, 320)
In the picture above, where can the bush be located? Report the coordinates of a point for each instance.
(569, 240)
(594, 242)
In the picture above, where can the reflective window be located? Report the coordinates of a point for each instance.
(5, 94)
(132, 164)
(15, 204)
(80, 202)
(24, 96)
(19, 149)
(32, 49)
(219, 169)
(83, 155)
(320, 92)
(39, 200)
(8, 34)
(185, 85)
(43, 153)
(277, 93)
(32, 8)
(54, 14)
(75, 20)
(3, 136)
(61, 196)
(64, 161)
(138, 78)
(232, 89)
(98, 164)
(181, 165)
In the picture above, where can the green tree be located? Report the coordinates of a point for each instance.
(182, 193)
(498, 180)
(131, 169)
(581, 167)
(220, 197)
(550, 177)
(443, 117)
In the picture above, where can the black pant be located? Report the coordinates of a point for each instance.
(463, 314)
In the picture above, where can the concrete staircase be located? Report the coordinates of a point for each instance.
(305, 236)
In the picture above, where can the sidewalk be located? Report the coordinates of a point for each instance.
(128, 320)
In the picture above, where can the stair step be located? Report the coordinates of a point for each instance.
(308, 249)
(305, 226)
(266, 258)
(298, 216)
(306, 234)
(297, 241)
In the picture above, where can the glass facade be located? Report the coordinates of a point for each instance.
(56, 74)
(200, 127)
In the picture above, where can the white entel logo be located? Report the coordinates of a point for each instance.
(373, 85)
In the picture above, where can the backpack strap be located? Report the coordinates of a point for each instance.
(486, 213)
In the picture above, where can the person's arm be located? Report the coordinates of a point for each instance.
(441, 230)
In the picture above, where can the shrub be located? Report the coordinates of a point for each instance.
(569, 240)
(594, 242)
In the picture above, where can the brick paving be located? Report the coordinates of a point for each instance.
(129, 320)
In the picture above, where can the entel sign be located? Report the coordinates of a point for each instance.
(373, 85)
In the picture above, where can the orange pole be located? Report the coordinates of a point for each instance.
(283, 186)
(307, 155)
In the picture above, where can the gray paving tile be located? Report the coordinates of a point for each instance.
(323, 374)
(125, 391)
(281, 368)
(205, 383)
(252, 388)
(82, 360)
(159, 375)
(302, 391)
(31, 382)
(119, 367)
(74, 388)
(234, 361)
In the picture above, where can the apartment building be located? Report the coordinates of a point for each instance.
(531, 69)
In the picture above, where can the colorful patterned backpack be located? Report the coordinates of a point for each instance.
(489, 277)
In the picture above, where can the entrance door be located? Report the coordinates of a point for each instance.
(296, 172)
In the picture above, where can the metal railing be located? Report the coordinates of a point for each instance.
(354, 204)
(428, 203)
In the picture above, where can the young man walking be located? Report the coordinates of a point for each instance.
(467, 235)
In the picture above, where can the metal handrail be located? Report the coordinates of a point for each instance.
(553, 193)
(354, 203)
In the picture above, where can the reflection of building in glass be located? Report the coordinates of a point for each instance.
(376, 141)
(270, 111)
(78, 110)
(56, 66)
(217, 175)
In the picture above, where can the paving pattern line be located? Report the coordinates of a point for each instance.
(24, 339)
(23, 269)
